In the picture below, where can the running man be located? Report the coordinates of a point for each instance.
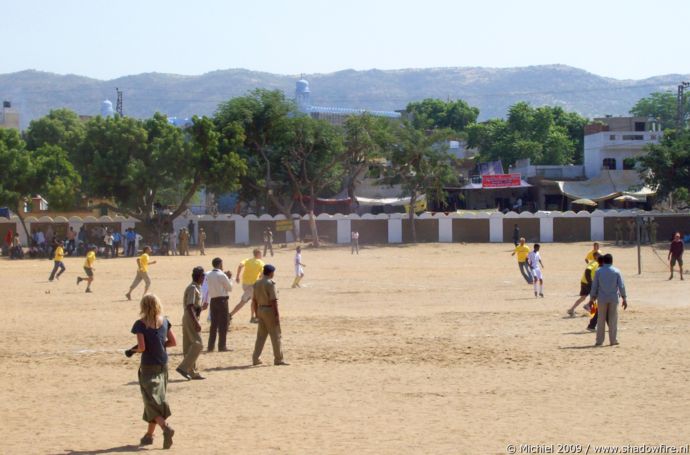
(250, 270)
(522, 251)
(534, 261)
(586, 283)
(590, 256)
(60, 255)
(675, 254)
(88, 268)
(143, 263)
(299, 268)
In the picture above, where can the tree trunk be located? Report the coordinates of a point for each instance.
(312, 222)
(26, 231)
(413, 197)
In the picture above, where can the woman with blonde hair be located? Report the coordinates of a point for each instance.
(154, 335)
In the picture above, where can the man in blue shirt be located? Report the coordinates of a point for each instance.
(606, 286)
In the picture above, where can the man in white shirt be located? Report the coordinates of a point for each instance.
(535, 264)
(219, 287)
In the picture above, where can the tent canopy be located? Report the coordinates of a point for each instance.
(607, 185)
(398, 201)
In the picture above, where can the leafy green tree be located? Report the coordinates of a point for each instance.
(661, 106)
(421, 164)
(666, 166)
(25, 173)
(366, 138)
(313, 159)
(436, 114)
(61, 127)
(545, 135)
(134, 161)
(262, 117)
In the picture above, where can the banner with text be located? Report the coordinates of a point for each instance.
(501, 181)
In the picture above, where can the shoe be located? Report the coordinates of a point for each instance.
(146, 440)
(129, 296)
(253, 321)
(571, 313)
(597, 345)
(197, 377)
(591, 329)
(183, 373)
(257, 362)
(541, 295)
(89, 291)
(50, 279)
(78, 279)
(168, 434)
(281, 363)
(535, 294)
(615, 343)
(223, 349)
(671, 277)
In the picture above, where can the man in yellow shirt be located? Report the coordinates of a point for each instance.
(58, 264)
(251, 270)
(590, 256)
(143, 263)
(522, 251)
(88, 268)
(586, 282)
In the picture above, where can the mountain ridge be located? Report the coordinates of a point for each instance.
(34, 93)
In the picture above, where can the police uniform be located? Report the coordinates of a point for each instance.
(269, 321)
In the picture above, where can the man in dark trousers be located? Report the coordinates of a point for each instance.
(219, 287)
(606, 286)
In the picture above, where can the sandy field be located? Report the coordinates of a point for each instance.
(426, 349)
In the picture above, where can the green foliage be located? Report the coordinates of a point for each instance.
(545, 135)
(61, 127)
(661, 106)
(366, 138)
(253, 124)
(436, 114)
(666, 166)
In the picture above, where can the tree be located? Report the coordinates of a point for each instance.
(436, 114)
(421, 164)
(366, 137)
(61, 127)
(666, 166)
(262, 116)
(132, 161)
(312, 157)
(25, 173)
(661, 106)
(545, 135)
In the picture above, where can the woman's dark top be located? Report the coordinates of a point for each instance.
(155, 353)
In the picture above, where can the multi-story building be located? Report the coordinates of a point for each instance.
(9, 117)
(610, 142)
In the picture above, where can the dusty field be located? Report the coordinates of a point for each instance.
(412, 349)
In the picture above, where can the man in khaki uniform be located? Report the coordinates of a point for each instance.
(265, 303)
(192, 345)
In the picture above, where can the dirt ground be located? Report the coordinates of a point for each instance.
(426, 349)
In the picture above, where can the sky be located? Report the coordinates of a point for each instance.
(629, 39)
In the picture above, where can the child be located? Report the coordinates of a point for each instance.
(534, 261)
(142, 272)
(58, 257)
(154, 334)
(88, 268)
(299, 268)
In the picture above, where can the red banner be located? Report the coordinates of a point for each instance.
(500, 181)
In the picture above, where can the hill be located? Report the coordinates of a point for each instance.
(34, 93)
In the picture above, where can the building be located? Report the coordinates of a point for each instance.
(333, 115)
(612, 142)
(9, 117)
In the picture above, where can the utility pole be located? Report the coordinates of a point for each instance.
(118, 106)
(680, 115)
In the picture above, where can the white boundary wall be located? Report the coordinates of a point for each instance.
(344, 223)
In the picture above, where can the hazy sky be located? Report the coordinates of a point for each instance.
(107, 39)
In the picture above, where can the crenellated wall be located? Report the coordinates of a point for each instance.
(392, 228)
